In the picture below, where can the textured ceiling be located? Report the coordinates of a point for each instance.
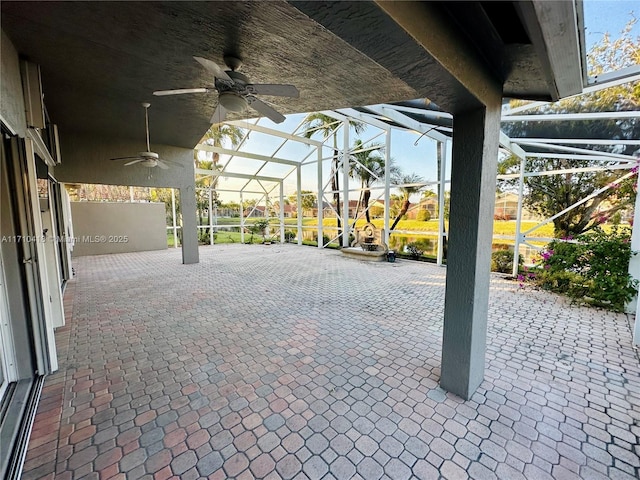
(100, 60)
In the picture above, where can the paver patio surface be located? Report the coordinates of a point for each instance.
(290, 362)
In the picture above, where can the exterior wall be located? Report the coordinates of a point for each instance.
(85, 159)
(12, 109)
(507, 209)
(143, 225)
(431, 205)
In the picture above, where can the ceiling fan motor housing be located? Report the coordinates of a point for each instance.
(238, 77)
(149, 162)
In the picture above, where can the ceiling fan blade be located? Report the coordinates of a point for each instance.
(162, 165)
(134, 162)
(170, 163)
(219, 114)
(264, 109)
(179, 91)
(124, 158)
(273, 89)
(214, 68)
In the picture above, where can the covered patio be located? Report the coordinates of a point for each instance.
(284, 362)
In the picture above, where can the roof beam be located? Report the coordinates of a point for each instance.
(514, 148)
(564, 170)
(253, 156)
(212, 173)
(570, 117)
(624, 75)
(363, 117)
(563, 148)
(276, 133)
(421, 111)
(578, 141)
(408, 122)
(601, 85)
(573, 156)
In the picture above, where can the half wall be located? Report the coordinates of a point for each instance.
(105, 227)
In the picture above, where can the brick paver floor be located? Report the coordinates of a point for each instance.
(289, 362)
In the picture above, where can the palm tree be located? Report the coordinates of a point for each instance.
(409, 184)
(368, 167)
(328, 126)
(217, 134)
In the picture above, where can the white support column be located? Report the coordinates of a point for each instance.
(173, 216)
(466, 305)
(345, 185)
(516, 246)
(281, 212)
(320, 199)
(634, 269)
(444, 151)
(210, 215)
(387, 185)
(299, 211)
(241, 219)
(636, 328)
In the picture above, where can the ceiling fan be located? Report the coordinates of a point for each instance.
(148, 159)
(235, 92)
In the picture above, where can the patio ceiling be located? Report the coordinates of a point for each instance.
(100, 60)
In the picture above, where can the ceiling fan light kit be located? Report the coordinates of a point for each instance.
(232, 102)
(236, 92)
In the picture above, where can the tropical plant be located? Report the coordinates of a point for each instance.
(258, 228)
(502, 261)
(217, 136)
(328, 126)
(368, 166)
(408, 185)
(205, 187)
(164, 195)
(593, 268)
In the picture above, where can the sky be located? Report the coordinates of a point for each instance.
(409, 153)
(608, 16)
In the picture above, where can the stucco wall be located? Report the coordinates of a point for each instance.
(102, 227)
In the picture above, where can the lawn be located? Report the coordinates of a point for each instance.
(500, 227)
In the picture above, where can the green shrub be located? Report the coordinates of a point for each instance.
(289, 236)
(502, 261)
(203, 236)
(593, 269)
(414, 250)
(258, 228)
(616, 218)
(423, 216)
